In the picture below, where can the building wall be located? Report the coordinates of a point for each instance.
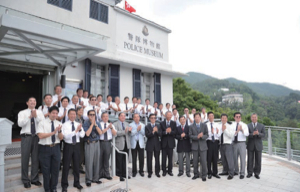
(166, 89)
(126, 83)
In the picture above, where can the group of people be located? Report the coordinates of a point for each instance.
(81, 129)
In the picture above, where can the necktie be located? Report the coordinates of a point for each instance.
(182, 128)
(32, 126)
(58, 104)
(254, 127)
(236, 137)
(74, 137)
(52, 129)
(222, 138)
(123, 126)
(126, 107)
(212, 137)
(198, 127)
(105, 134)
(168, 124)
(109, 112)
(79, 101)
(75, 106)
(137, 135)
(48, 109)
(147, 109)
(64, 119)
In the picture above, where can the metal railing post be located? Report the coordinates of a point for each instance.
(270, 141)
(113, 159)
(288, 144)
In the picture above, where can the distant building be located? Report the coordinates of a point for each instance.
(233, 98)
(224, 89)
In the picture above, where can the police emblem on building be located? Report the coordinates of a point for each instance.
(145, 31)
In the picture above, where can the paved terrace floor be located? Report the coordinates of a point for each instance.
(277, 175)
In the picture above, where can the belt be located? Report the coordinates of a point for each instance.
(105, 141)
(88, 141)
(52, 145)
(72, 143)
(26, 135)
(226, 144)
(240, 142)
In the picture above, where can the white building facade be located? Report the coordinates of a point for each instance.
(91, 44)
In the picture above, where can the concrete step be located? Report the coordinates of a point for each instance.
(12, 159)
(14, 168)
(104, 186)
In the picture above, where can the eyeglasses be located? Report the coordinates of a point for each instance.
(91, 114)
(93, 100)
(152, 118)
(238, 116)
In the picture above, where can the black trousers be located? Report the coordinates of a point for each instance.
(149, 161)
(134, 153)
(254, 157)
(70, 152)
(50, 161)
(105, 151)
(212, 156)
(121, 162)
(167, 152)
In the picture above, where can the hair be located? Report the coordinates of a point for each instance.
(181, 117)
(160, 104)
(48, 94)
(108, 96)
(156, 102)
(99, 95)
(85, 91)
(74, 96)
(147, 99)
(138, 98)
(92, 110)
(92, 97)
(104, 114)
(167, 104)
(121, 114)
(203, 108)
(174, 109)
(236, 113)
(197, 114)
(79, 89)
(210, 113)
(152, 114)
(135, 114)
(65, 97)
(223, 114)
(126, 98)
(70, 110)
(79, 107)
(168, 112)
(53, 108)
(185, 108)
(31, 98)
(133, 98)
(56, 87)
(253, 114)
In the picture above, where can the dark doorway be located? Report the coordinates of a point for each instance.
(16, 89)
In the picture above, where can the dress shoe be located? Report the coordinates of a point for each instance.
(149, 175)
(142, 174)
(257, 176)
(109, 178)
(164, 174)
(180, 174)
(82, 171)
(98, 182)
(37, 183)
(236, 174)
(122, 179)
(229, 177)
(216, 176)
(54, 190)
(133, 174)
(64, 190)
(88, 184)
(188, 175)
(27, 185)
(171, 174)
(209, 176)
(242, 176)
(249, 175)
(157, 175)
(78, 186)
(195, 177)
(224, 173)
(203, 179)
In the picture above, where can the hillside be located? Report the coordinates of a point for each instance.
(266, 89)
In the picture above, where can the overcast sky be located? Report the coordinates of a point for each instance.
(251, 40)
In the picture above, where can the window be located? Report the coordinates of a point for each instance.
(157, 88)
(88, 69)
(99, 11)
(114, 80)
(146, 87)
(98, 79)
(65, 4)
(136, 83)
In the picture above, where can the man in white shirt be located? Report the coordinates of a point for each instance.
(203, 115)
(49, 150)
(86, 98)
(175, 118)
(239, 144)
(189, 117)
(108, 131)
(74, 102)
(156, 110)
(139, 106)
(226, 134)
(72, 131)
(100, 102)
(213, 146)
(134, 106)
(161, 112)
(94, 107)
(168, 108)
(147, 109)
(81, 101)
(117, 106)
(126, 107)
(109, 105)
(48, 104)
(57, 97)
(63, 110)
(28, 120)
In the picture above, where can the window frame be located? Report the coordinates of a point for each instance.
(99, 11)
(60, 2)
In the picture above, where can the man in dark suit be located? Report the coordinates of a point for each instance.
(183, 146)
(168, 129)
(255, 146)
(153, 134)
(199, 133)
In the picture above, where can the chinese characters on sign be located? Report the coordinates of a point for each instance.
(138, 44)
